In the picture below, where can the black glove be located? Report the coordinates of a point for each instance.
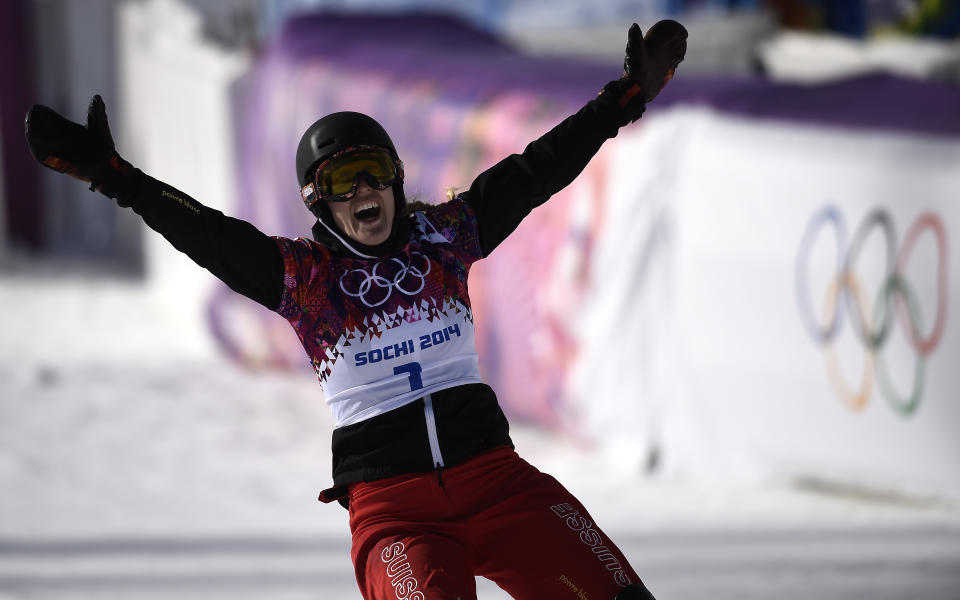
(86, 153)
(649, 63)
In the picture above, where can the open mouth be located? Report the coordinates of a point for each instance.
(367, 212)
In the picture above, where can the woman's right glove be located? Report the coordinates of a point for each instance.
(86, 153)
(649, 63)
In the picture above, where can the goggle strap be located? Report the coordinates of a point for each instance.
(308, 194)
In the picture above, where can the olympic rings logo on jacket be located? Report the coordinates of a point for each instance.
(374, 288)
(873, 328)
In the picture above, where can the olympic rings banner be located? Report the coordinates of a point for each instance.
(809, 305)
(873, 327)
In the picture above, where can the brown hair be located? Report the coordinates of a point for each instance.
(413, 205)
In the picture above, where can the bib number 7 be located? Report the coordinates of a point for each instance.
(413, 370)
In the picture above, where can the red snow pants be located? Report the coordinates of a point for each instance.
(426, 536)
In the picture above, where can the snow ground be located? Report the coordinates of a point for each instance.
(137, 463)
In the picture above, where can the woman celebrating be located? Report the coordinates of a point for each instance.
(422, 456)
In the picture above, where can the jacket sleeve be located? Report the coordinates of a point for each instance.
(504, 194)
(235, 251)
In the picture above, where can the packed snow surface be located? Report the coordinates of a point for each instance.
(136, 462)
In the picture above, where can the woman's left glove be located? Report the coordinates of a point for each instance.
(86, 153)
(650, 61)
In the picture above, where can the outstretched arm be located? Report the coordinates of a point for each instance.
(233, 250)
(504, 194)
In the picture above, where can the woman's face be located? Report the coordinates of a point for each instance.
(368, 216)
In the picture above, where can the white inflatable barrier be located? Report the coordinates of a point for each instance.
(782, 303)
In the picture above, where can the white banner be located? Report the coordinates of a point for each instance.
(791, 303)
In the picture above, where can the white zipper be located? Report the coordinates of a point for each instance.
(432, 431)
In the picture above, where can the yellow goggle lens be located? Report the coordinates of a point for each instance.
(338, 177)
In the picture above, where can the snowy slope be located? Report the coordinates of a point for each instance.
(136, 462)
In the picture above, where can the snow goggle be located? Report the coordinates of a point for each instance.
(338, 177)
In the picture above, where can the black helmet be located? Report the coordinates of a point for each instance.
(327, 136)
(333, 133)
